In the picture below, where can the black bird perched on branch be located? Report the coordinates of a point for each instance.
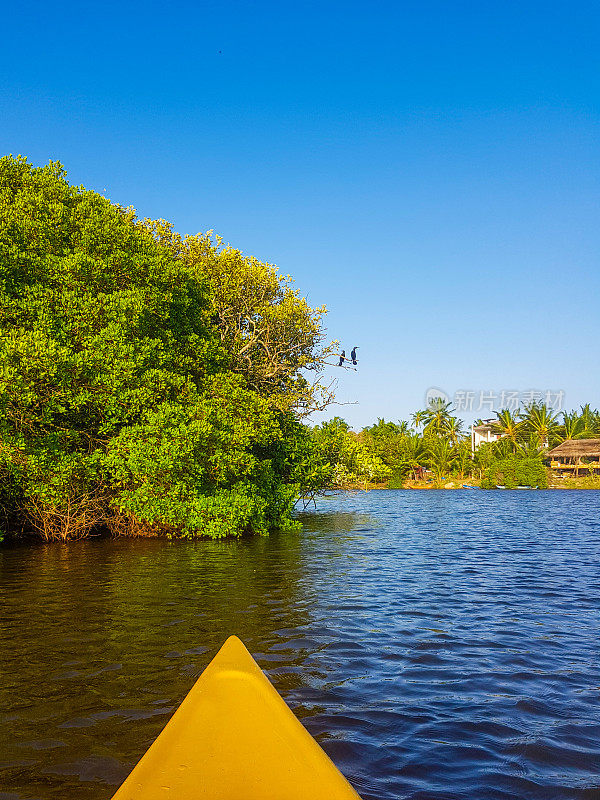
(342, 358)
(353, 355)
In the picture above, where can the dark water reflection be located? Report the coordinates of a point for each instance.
(440, 645)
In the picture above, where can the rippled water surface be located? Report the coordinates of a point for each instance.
(439, 645)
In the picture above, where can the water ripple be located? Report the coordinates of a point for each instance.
(439, 645)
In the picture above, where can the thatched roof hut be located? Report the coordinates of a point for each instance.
(576, 448)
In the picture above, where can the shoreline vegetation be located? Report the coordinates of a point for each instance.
(433, 451)
(153, 384)
(579, 483)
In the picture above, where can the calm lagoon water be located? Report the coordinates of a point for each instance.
(439, 645)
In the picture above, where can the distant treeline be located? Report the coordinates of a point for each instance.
(435, 443)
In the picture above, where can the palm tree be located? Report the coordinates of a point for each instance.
(413, 453)
(538, 419)
(441, 456)
(454, 429)
(531, 448)
(436, 416)
(463, 457)
(417, 418)
(591, 421)
(573, 427)
(502, 448)
(508, 426)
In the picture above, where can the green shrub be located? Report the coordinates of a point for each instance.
(513, 471)
(397, 479)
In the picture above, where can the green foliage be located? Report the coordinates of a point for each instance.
(346, 459)
(271, 335)
(437, 418)
(579, 482)
(590, 420)
(585, 425)
(538, 420)
(509, 427)
(537, 427)
(513, 471)
(125, 400)
(530, 448)
(387, 440)
(573, 427)
(397, 479)
(437, 448)
(212, 465)
(463, 461)
(484, 455)
(413, 454)
(441, 457)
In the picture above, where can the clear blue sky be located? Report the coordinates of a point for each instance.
(429, 171)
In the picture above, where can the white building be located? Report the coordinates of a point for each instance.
(483, 433)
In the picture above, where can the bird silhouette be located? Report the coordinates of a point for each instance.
(342, 358)
(353, 355)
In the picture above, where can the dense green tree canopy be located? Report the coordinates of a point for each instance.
(148, 384)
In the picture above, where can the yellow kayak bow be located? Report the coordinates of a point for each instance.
(234, 738)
